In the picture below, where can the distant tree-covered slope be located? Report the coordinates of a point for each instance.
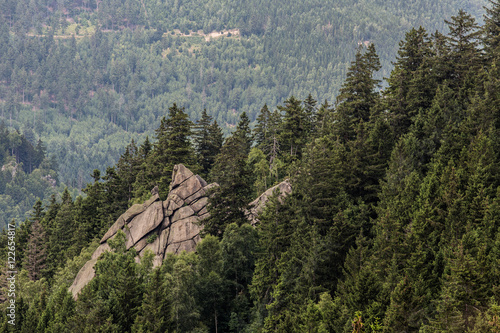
(27, 173)
(87, 76)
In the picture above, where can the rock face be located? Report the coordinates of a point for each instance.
(170, 226)
(257, 206)
(164, 227)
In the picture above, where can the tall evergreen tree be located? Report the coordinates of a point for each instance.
(36, 253)
(208, 140)
(173, 146)
(153, 313)
(310, 110)
(244, 133)
(261, 132)
(491, 30)
(357, 95)
(406, 93)
(323, 120)
(463, 40)
(294, 129)
(61, 233)
(231, 197)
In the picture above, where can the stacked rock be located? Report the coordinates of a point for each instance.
(164, 227)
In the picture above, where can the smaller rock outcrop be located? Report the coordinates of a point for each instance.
(257, 206)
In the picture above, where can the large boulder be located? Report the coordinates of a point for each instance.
(179, 175)
(128, 216)
(146, 222)
(159, 226)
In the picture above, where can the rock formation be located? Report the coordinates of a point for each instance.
(257, 206)
(170, 226)
(164, 227)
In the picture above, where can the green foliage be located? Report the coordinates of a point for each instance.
(392, 225)
(208, 139)
(27, 175)
(230, 199)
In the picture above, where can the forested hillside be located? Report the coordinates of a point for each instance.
(27, 174)
(392, 226)
(87, 76)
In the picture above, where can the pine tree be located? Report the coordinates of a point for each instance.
(173, 147)
(244, 132)
(261, 132)
(208, 140)
(216, 139)
(128, 166)
(357, 95)
(61, 233)
(360, 288)
(404, 94)
(230, 198)
(275, 232)
(114, 296)
(491, 30)
(323, 120)
(213, 290)
(115, 197)
(91, 219)
(238, 248)
(153, 313)
(200, 138)
(310, 112)
(60, 308)
(294, 129)
(463, 41)
(36, 253)
(465, 291)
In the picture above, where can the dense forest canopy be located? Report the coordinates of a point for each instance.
(393, 224)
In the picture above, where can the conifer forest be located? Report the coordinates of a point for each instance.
(380, 119)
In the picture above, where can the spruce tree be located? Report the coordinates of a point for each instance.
(463, 41)
(208, 140)
(261, 132)
(200, 138)
(402, 96)
(91, 212)
(36, 253)
(153, 313)
(231, 197)
(323, 120)
(491, 30)
(128, 166)
(294, 129)
(357, 95)
(61, 233)
(310, 110)
(244, 132)
(173, 146)
(213, 291)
